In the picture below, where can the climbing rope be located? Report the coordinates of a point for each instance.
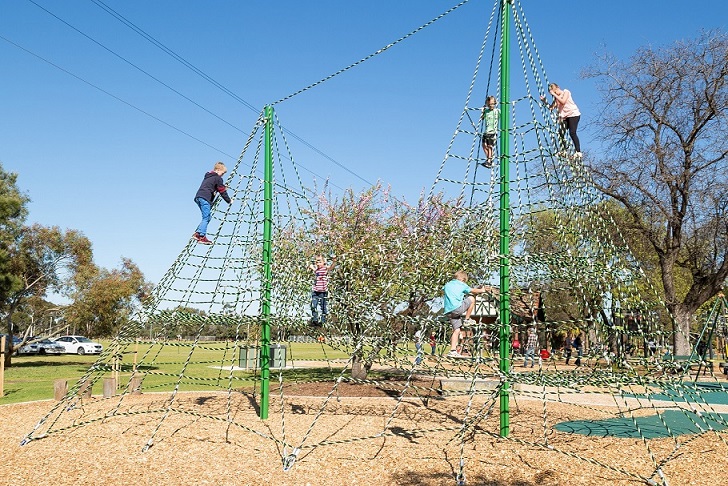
(568, 258)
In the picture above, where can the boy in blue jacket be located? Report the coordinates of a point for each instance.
(212, 183)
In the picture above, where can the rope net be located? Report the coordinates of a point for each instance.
(571, 276)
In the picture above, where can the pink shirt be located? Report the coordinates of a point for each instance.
(569, 108)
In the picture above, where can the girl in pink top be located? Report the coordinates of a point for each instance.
(569, 115)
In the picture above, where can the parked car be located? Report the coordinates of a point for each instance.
(79, 345)
(46, 346)
(26, 349)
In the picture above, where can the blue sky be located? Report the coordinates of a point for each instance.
(102, 147)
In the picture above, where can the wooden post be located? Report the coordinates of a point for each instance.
(116, 373)
(85, 390)
(136, 384)
(109, 387)
(2, 366)
(60, 388)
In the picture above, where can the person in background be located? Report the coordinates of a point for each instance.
(531, 346)
(433, 343)
(418, 346)
(567, 348)
(652, 347)
(578, 349)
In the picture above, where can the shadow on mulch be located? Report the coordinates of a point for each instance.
(381, 389)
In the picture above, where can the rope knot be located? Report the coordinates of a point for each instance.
(290, 459)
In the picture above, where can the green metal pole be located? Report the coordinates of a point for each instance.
(505, 291)
(267, 233)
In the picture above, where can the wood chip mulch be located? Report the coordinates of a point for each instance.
(366, 437)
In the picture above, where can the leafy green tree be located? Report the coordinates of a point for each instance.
(13, 212)
(37, 316)
(42, 260)
(590, 267)
(392, 260)
(664, 126)
(563, 274)
(105, 299)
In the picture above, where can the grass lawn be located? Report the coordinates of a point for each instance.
(31, 377)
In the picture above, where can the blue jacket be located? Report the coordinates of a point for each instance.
(211, 184)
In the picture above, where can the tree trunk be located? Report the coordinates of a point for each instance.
(681, 336)
(358, 370)
(8, 339)
(7, 351)
(9, 326)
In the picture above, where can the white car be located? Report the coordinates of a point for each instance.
(79, 345)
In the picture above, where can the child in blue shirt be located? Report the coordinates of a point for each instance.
(458, 303)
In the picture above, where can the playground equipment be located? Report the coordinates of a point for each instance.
(541, 230)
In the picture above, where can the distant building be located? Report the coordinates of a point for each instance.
(526, 306)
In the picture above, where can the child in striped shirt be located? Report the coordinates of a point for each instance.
(320, 290)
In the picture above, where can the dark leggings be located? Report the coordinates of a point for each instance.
(570, 124)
